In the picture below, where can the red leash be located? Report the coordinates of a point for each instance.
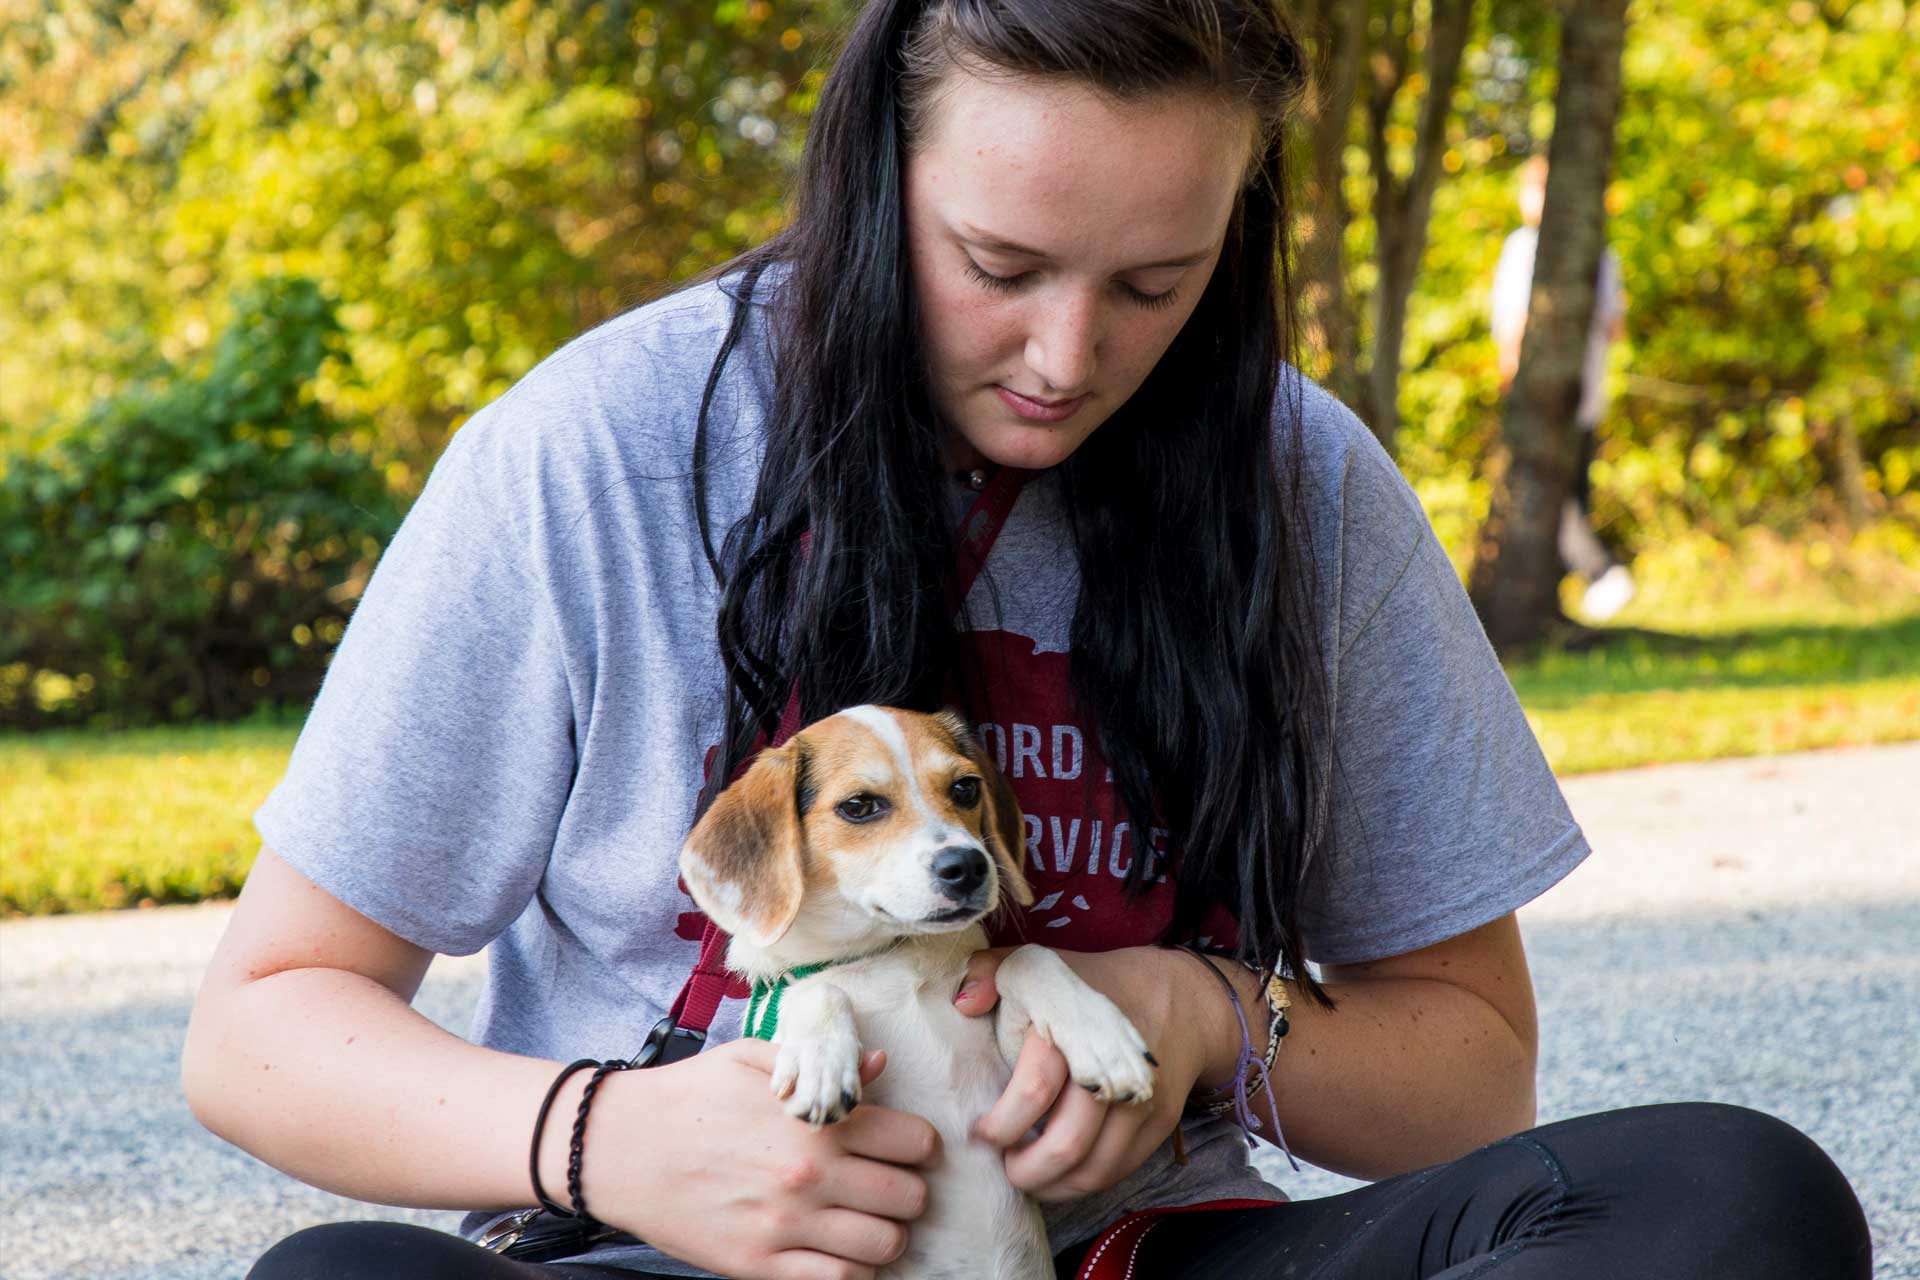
(1113, 1254)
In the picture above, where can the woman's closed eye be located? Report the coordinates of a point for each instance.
(1007, 284)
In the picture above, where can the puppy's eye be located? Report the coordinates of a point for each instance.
(861, 808)
(965, 792)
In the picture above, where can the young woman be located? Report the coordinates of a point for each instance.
(1035, 276)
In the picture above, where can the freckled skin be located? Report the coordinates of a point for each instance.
(1062, 173)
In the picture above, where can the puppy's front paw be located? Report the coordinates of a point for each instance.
(1104, 1053)
(818, 1078)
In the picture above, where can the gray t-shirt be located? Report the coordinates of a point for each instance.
(509, 742)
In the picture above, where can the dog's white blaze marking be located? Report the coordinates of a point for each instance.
(887, 729)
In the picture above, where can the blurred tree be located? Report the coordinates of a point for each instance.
(1402, 206)
(1337, 30)
(476, 183)
(1768, 167)
(1768, 223)
(1365, 59)
(194, 546)
(1516, 573)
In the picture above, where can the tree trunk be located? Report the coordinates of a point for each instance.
(1516, 574)
(1401, 210)
(1850, 474)
(1339, 31)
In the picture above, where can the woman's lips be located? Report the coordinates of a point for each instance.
(1036, 411)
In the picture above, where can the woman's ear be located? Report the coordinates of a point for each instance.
(742, 861)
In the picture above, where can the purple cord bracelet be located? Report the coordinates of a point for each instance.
(1243, 1111)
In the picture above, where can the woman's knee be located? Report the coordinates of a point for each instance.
(1753, 1155)
(1811, 1202)
(1729, 1183)
(366, 1251)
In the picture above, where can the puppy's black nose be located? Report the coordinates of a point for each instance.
(959, 870)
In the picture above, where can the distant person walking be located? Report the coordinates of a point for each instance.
(1609, 584)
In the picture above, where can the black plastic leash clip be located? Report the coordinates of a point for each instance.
(534, 1235)
(668, 1043)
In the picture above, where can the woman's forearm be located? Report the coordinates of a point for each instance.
(334, 1079)
(1405, 1072)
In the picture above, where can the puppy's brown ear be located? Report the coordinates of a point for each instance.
(1005, 831)
(742, 861)
(1008, 831)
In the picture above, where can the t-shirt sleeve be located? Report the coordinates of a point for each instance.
(429, 779)
(1444, 813)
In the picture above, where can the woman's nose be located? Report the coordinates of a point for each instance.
(1063, 345)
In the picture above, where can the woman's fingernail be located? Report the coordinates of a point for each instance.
(966, 989)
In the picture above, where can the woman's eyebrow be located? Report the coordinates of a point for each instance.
(1000, 244)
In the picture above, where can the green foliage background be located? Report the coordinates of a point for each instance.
(1765, 209)
(194, 546)
(470, 185)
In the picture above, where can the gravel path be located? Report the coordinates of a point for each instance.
(1748, 932)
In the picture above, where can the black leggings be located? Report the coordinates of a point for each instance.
(1688, 1190)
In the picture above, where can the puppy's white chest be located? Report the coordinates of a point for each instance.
(950, 1069)
(947, 1068)
(937, 1057)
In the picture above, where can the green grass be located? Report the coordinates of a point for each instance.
(1640, 698)
(1771, 647)
(91, 820)
(1754, 648)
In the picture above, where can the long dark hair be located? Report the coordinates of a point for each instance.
(1195, 652)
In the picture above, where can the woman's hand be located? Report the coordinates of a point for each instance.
(699, 1159)
(1087, 1145)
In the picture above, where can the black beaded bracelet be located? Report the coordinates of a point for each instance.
(540, 1127)
(577, 1149)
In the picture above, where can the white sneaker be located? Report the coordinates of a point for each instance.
(1608, 595)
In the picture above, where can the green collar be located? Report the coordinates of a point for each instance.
(763, 1005)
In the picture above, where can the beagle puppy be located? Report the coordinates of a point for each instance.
(874, 843)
